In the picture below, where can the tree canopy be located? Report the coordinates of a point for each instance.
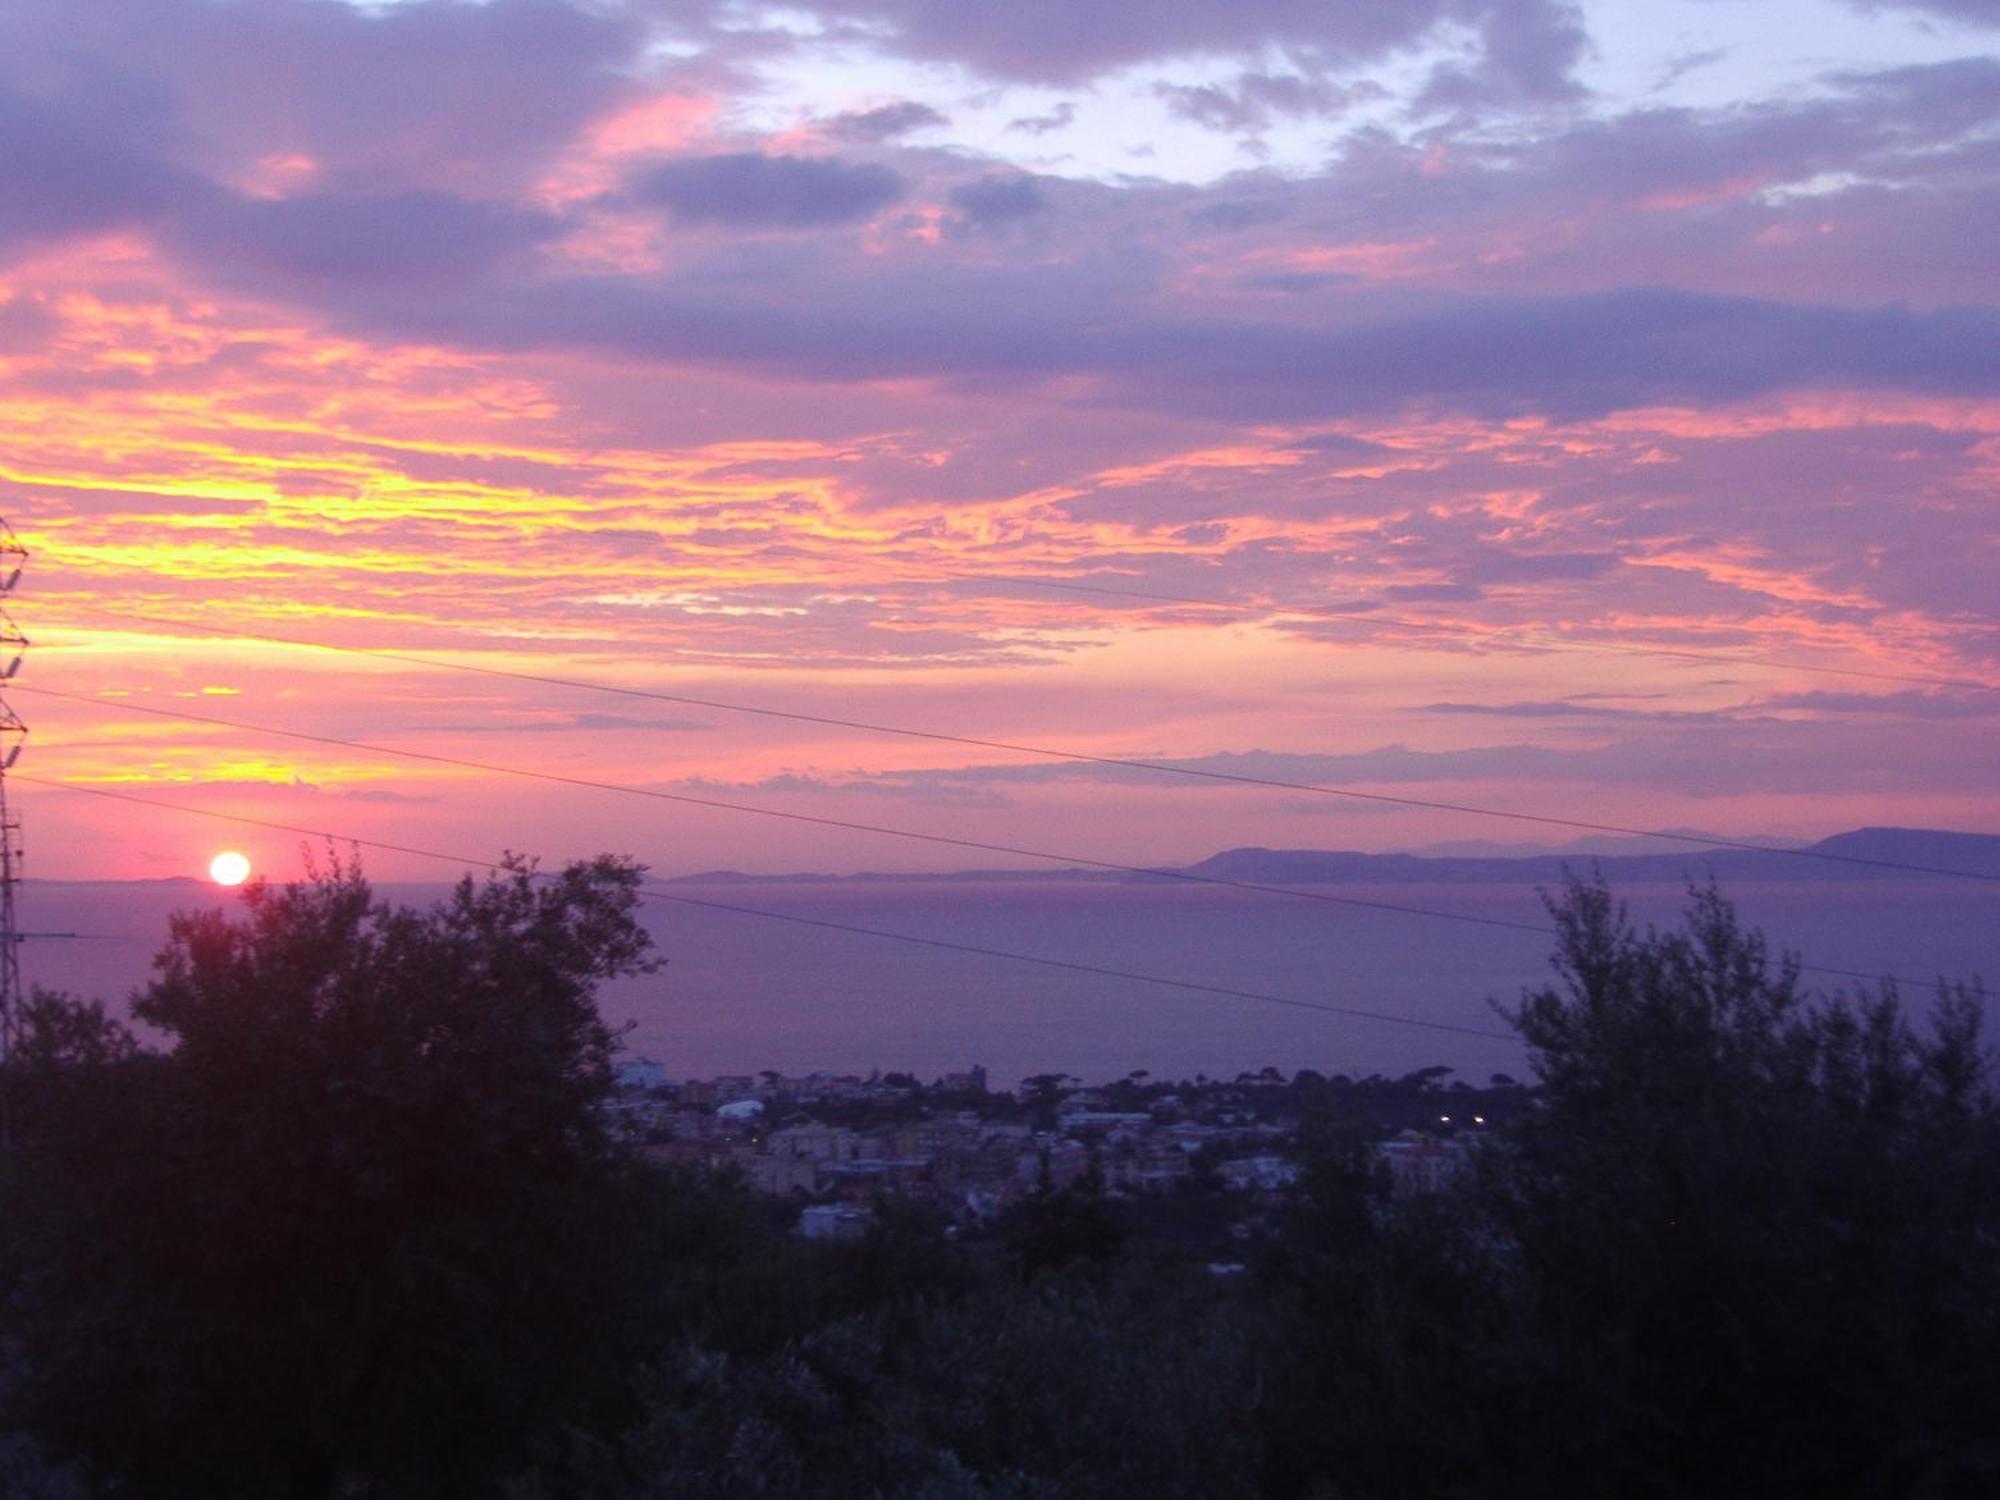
(355, 1221)
(353, 1227)
(1747, 1242)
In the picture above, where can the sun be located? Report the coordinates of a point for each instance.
(229, 868)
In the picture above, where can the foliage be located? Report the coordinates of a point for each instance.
(1068, 1388)
(357, 1231)
(1754, 1222)
(1747, 1243)
(1063, 1228)
(329, 1237)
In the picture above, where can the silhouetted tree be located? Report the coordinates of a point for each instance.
(358, 1228)
(1760, 1229)
(1748, 1243)
(1041, 1095)
(1059, 1228)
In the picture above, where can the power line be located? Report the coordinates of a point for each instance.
(652, 892)
(1416, 911)
(1098, 970)
(249, 822)
(1516, 637)
(1049, 752)
(847, 825)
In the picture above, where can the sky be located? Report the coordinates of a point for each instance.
(1390, 388)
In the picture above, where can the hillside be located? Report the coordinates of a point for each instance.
(1861, 854)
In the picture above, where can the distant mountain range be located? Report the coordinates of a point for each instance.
(1863, 854)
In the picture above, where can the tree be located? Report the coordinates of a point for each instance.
(1042, 1095)
(358, 1227)
(1746, 1242)
(1760, 1228)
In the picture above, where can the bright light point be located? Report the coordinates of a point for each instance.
(1442, 1119)
(229, 868)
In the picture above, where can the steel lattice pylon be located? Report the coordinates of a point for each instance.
(12, 733)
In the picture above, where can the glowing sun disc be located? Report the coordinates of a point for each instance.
(229, 868)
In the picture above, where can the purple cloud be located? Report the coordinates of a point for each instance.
(1572, 357)
(25, 324)
(392, 239)
(1056, 41)
(995, 203)
(1564, 708)
(70, 167)
(1255, 99)
(1972, 12)
(1059, 118)
(1909, 705)
(1833, 240)
(748, 190)
(569, 723)
(1341, 445)
(1229, 215)
(1583, 355)
(1900, 165)
(1501, 565)
(1699, 755)
(883, 123)
(380, 96)
(1530, 48)
(1494, 334)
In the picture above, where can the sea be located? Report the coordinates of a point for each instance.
(768, 975)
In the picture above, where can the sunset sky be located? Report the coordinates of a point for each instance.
(1441, 353)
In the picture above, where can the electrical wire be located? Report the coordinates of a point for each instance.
(817, 820)
(847, 825)
(1415, 911)
(1119, 762)
(652, 892)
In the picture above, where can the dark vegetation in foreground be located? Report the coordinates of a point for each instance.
(357, 1230)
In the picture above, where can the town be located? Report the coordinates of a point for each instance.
(833, 1144)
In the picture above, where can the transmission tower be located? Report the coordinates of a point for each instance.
(12, 733)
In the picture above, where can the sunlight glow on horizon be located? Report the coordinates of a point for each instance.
(229, 868)
(773, 355)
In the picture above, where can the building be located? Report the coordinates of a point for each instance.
(779, 1176)
(814, 1142)
(1264, 1174)
(641, 1073)
(1421, 1163)
(834, 1221)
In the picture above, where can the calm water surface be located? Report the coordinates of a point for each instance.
(742, 993)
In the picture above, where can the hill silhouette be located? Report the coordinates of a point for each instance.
(1860, 854)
